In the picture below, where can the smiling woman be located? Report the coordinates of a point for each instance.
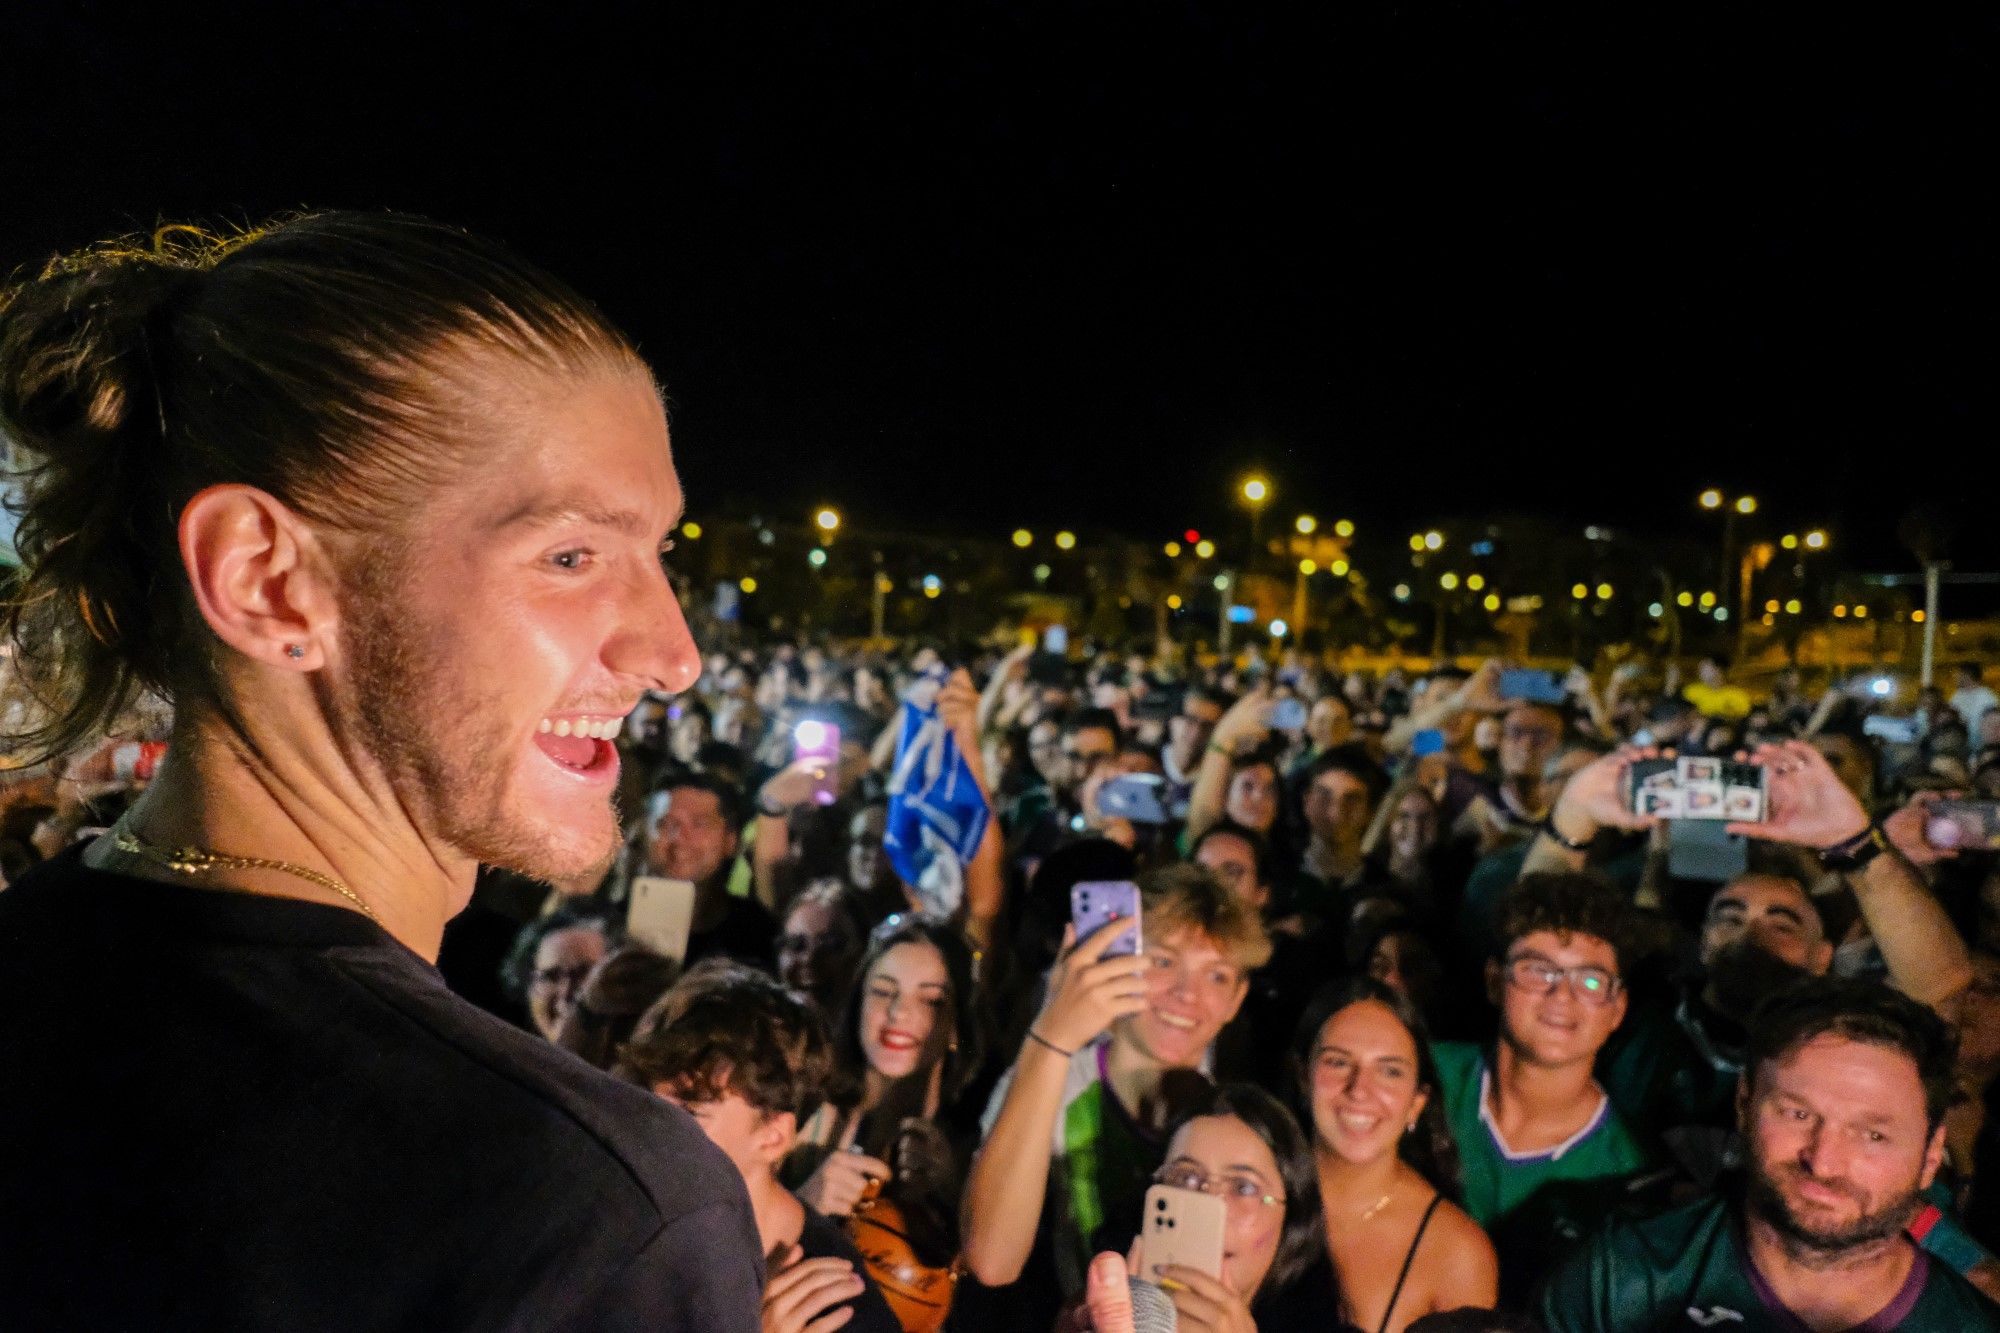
(379, 508)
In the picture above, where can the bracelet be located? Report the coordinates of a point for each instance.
(1222, 750)
(1549, 827)
(1856, 852)
(1040, 1040)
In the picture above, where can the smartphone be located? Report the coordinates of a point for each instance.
(1055, 639)
(659, 914)
(1427, 742)
(818, 743)
(1139, 797)
(1895, 730)
(1531, 686)
(1097, 902)
(1972, 826)
(1288, 714)
(1185, 1228)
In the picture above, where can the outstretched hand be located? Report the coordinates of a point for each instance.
(1809, 806)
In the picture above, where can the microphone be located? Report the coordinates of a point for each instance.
(1152, 1309)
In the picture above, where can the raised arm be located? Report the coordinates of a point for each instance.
(985, 884)
(1593, 799)
(1246, 720)
(1480, 693)
(1812, 808)
(1009, 1179)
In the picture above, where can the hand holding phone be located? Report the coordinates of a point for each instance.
(1526, 685)
(660, 914)
(1090, 988)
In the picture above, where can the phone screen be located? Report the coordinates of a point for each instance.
(659, 915)
(1095, 903)
(817, 744)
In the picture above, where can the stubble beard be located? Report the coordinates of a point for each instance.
(1824, 1246)
(444, 751)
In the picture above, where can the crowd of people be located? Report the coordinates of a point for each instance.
(1420, 994)
(1458, 1034)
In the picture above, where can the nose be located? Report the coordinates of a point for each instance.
(651, 640)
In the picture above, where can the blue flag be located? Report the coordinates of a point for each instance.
(937, 813)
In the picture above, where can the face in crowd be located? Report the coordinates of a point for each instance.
(868, 866)
(817, 950)
(1234, 861)
(562, 960)
(1560, 997)
(1193, 988)
(1529, 735)
(1082, 751)
(1219, 1154)
(1252, 796)
(1330, 723)
(1839, 1140)
(906, 1010)
(692, 839)
(1338, 807)
(1771, 913)
(1189, 730)
(1363, 1082)
(1413, 825)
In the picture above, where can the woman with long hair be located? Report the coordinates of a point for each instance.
(1238, 1142)
(1387, 1167)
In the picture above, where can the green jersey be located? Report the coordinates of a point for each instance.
(1690, 1268)
(1496, 1179)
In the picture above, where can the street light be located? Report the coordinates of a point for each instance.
(1173, 550)
(747, 583)
(1815, 540)
(1579, 591)
(1711, 499)
(1746, 504)
(1255, 490)
(1023, 538)
(691, 530)
(1308, 566)
(827, 519)
(1475, 581)
(1344, 528)
(1448, 582)
(1065, 540)
(1433, 540)
(1204, 548)
(1306, 524)
(1603, 592)
(1416, 541)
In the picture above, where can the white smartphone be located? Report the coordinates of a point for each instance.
(659, 914)
(1183, 1227)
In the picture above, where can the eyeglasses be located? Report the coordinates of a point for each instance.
(1234, 1190)
(1592, 985)
(544, 977)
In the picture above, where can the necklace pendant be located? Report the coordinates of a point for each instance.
(189, 861)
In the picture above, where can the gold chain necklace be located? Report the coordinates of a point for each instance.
(1377, 1206)
(192, 861)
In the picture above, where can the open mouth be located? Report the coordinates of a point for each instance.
(1174, 1021)
(581, 744)
(1356, 1123)
(893, 1040)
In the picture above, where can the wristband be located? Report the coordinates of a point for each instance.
(773, 811)
(1549, 827)
(1856, 852)
(1222, 750)
(1040, 1040)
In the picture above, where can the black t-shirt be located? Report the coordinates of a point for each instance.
(822, 1238)
(226, 1111)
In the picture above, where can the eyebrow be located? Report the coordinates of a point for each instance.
(555, 513)
(1379, 1059)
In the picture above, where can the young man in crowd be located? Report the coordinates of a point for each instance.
(1188, 734)
(695, 836)
(1038, 821)
(1340, 794)
(1076, 1128)
(1841, 1107)
(1528, 1113)
(751, 1063)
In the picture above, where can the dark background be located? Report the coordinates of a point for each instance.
(965, 266)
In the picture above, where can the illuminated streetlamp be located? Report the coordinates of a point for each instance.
(1711, 499)
(1256, 490)
(1204, 548)
(1023, 538)
(1344, 528)
(1306, 524)
(1173, 550)
(1815, 540)
(1065, 540)
(1433, 540)
(827, 519)
(691, 530)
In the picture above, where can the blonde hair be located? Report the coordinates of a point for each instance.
(1190, 897)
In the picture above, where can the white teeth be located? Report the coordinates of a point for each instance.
(546, 727)
(1173, 1021)
(595, 729)
(562, 727)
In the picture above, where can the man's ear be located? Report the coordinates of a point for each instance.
(1743, 1104)
(1933, 1156)
(776, 1136)
(1242, 989)
(260, 578)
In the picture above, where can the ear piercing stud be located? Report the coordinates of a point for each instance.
(295, 651)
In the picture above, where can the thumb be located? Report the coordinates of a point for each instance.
(1108, 1295)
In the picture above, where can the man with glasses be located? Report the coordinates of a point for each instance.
(1529, 1112)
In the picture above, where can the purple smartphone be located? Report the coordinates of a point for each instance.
(1095, 902)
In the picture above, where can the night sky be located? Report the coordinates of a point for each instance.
(965, 266)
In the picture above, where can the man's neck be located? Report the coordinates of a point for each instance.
(1134, 1078)
(250, 791)
(1526, 791)
(1332, 861)
(780, 1215)
(711, 900)
(1828, 1289)
(1539, 1106)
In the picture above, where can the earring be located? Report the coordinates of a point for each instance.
(295, 651)
(1410, 1128)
